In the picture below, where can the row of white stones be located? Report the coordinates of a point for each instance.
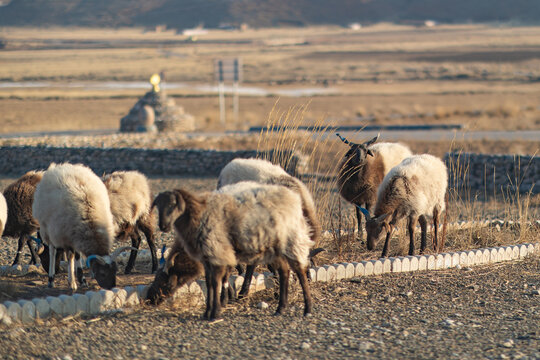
(96, 302)
(145, 255)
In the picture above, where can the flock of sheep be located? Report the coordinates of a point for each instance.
(259, 214)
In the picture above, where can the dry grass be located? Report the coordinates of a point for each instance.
(338, 219)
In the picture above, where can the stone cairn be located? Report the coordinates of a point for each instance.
(156, 112)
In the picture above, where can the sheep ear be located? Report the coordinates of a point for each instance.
(98, 258)
(180, 203)
(364, 211)
(369, 152)
(381, 218)
(369, 142)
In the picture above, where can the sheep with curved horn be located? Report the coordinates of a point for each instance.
(362, 170)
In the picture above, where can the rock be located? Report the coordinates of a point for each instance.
(305, 346)
(262, 305)
(509, 343)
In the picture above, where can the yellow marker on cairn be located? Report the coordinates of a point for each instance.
(155, 80)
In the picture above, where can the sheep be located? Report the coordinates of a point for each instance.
(179, 268)
(3, 213)
(130, 198)
(363, 169)
(245, 223)
(72, 206)
(416, 188)
(20, 223)
(264, 172)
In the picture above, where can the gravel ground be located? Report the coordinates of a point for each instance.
(488, 312)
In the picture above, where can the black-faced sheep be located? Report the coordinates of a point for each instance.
(264, 172)
(363, 169)
(21, 223)
(245, 223)
(415, 189)
(72, 207)
(130, 198)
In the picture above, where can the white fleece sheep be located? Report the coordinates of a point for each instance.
(130, 198)
(3, 213)
(72, 207)
(245, 223)
(414, 189)
(265, 172)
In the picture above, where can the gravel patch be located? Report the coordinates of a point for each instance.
(485, 312)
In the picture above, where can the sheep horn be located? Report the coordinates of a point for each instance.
(369, 142)
(117, 252)
(314, 252)
(365, 212)
(169, 263)
(343, 139)
(96, 257)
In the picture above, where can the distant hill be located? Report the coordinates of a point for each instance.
(182, 14)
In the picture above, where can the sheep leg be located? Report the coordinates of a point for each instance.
(423, 226)
(387, 241)
(71, 271)
(79, 271)
(33, 253)
(209, 291)
(436, 245)
(52, 263)
(302, 278)
(135, 242)
(244, 291)
(226, 291)
(148, 232)
(412, 225)
(359, 219)
(217, 274)
(19, 250)
(283, 270)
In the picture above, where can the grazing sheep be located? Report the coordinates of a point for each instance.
(179, 268)
(363, 169)
(416, 189)
(72, 207)
(245, 223)
(20, 223)
(130, 198)
(264, 172)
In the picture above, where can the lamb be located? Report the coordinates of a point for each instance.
(416, 189)
(130, 198)
(264, 172)
(245, 223)
(21, 223)
(72, 207)
(360, 175)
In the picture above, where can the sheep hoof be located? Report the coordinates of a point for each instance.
(308, 315)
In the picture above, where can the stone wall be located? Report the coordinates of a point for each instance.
(477, 172)
(16, 160)
(493, 173)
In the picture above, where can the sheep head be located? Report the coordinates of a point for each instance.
(170, 205)
(374, 227)
(104, 268)
(164, 283)
(357, 153)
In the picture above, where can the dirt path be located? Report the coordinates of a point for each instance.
(488, 312)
